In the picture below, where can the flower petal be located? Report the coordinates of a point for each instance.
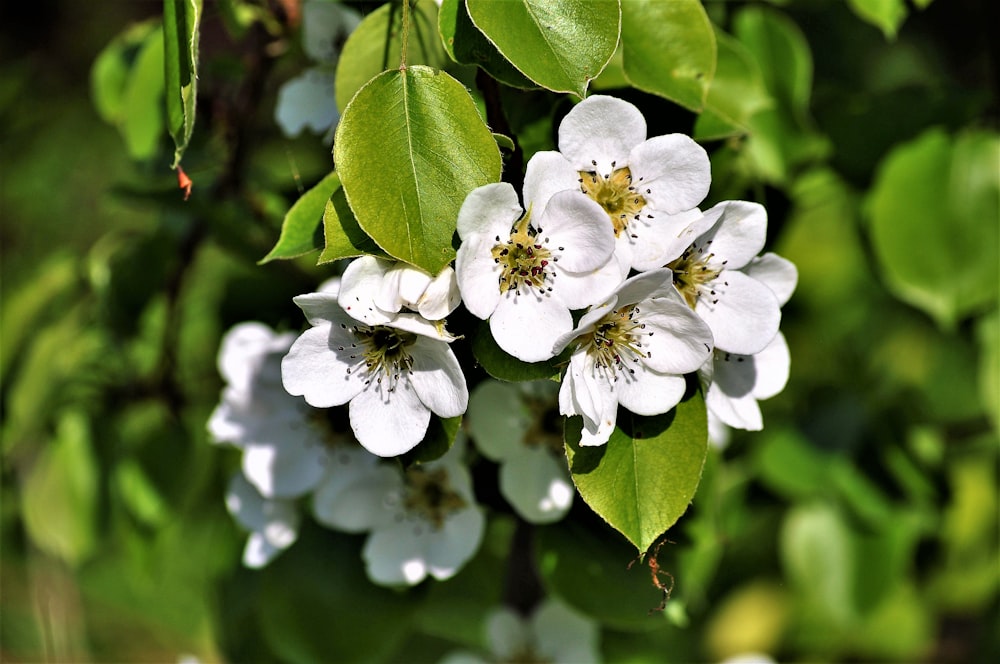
(579, 290)
(739, 412)
(565, 636)
(497, 419)
(536, 484)
(527, 325)
(508, 635)
(658, 241)
(288, 467)
(440, 297)
(319, 308)
(650, 393)
(547, 173)
(314, 369)
(672, 172)
(458, 540)
(577, 223)
(744, 316)
(678, 340)
(738, 234)
(773, 365)
(352, 498)
(488, 210)
(361, 286)
(437, 378)
(393, 556)
(478, 275)
(389, 423)
(777, 273)
(601, 129)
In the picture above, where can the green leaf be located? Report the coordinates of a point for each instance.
(441, 433)
(300, 230)
(376, 44)
(409, 148)
(61, 492)
(737, 92)
(342, 236)
(560, 46)
(180, 51)
(141, 122)
(886, 15)
(466, 45)
(933, 213)
(668, 49)
(782, 52)
(643, 479)
(503, 366)
(109, 75)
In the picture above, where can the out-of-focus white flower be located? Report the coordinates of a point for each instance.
(517, 425)
(273, 524)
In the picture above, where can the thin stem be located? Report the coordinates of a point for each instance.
(406, 34)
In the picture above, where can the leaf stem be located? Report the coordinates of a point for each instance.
(406, 34)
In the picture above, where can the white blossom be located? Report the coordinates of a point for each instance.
(394, 286)
(631, 350)
(273, 523)
(525, 271)
(649, 189)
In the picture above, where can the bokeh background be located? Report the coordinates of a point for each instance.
(860, 525)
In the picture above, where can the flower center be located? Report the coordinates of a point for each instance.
(523, 259)
(693, 276)
(431, 496)
(546, 427)
(615, 193)
(616, 339)
(384, 353)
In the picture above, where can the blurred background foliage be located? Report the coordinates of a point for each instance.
(860, 525)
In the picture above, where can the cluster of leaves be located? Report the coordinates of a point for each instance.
(860, 524)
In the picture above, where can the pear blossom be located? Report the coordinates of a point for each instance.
(393, 375)
(284, 442)
(631, 350)
(424, 522)
(394, 286)
(553, 633)
(743, 313)
(649, 189)
(349, 498)
(273, 523)
(512, 425)
(526, 271)
(737, 382)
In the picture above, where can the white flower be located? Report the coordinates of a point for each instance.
(631, 350)
(428, 523)
(525, 272)
(554, 633)
(737, 382)
(393, 286)
(649, 189)
(284, 442)
(393, 375)
(350, 497)
(743, 313)
(512, 424)
(273, 524)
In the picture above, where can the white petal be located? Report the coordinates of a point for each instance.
(744, 316)
(738, 234)
(287, 468)
(674, 170)
(649, 393)
(497, 419)
(243, 349)
(602, 129)
(575, 222)
(488, 210)
(655, 283)
(437, 378)
(527, 325)
(658, 240)
(564, 635)
(478, 275)
(325, 25)
(451, 547)
(508, 635)
(419, 325)
(739, 412)
(579, 290)
(319, 307)
(773, 365)
(393, 556)
(719, 432)
(226, 425)
(777, 273)
(258, 552)
(316, 370)
(389, 423)
(680, 341)
(605, 398)
(361, 284)
(353, 499)
(536, 484)
(440, 297)
(547, 174)
(307, 101)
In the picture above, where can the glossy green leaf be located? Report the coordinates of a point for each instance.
(342, 236)
(466, 45)
(737, 92)
(60, 497)
(300, 230)
(933, 212)
(644, 478)
(409, 148)
(181, 19)
(376, 44)
(560, 46)
(669, 49)
(886, 15)
(506, 367)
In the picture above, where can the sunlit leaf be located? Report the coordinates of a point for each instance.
(342, 236)
(669, 49)
(181, 19)
(376, 44)
(933, 210)
(886, 15)
(736, 92)
(409, 148)
(301, 230)
(467, 45)
(643, 479)
(560, 46)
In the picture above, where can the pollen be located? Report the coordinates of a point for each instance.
(694, 273)
(616, 193)
(615, 344)
(383, 353)
(524, 259)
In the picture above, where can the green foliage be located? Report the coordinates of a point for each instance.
(467, 45)
(301, 229)
(181, 19)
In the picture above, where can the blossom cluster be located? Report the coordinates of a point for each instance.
(603, 267)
